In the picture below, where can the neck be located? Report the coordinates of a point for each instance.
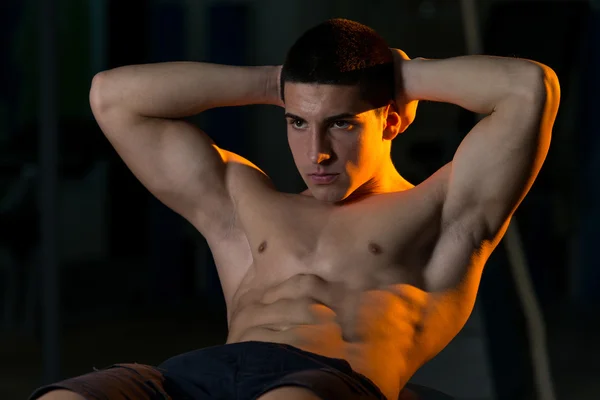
(386, 180)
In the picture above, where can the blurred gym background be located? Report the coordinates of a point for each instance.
(94, 270)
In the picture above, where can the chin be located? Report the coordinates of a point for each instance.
(329, 194)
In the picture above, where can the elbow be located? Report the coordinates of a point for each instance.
(550, 91)
(538, 83)
(545, 95)
(99, 96)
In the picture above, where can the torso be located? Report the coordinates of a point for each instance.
(367, 245)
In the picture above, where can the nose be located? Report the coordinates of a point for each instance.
(319, 158)
(319, 149)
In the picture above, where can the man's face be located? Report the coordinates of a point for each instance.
(336, 139)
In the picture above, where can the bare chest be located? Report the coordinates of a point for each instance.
(366, 245)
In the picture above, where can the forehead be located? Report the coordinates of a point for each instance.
(319, 100)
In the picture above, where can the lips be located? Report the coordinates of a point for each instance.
(323, 179)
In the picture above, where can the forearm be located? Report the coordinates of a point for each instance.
(476, 83)
(181, 89)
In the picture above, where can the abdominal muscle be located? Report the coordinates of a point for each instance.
(365, 329)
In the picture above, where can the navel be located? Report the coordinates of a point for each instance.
(262, 247)
(374, 248)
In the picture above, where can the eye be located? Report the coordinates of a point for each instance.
(342, 125)
(297, 123)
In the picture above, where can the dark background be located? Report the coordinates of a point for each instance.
(94, 270)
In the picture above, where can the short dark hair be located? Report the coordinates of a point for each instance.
(342, 52)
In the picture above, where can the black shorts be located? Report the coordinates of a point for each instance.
(237, 371)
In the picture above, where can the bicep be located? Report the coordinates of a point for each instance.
(496, 164)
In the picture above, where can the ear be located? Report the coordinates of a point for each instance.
(407, 112)
(392, 122)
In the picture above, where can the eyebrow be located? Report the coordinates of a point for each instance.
(328, 119)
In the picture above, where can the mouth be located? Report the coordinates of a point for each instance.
(323, 179)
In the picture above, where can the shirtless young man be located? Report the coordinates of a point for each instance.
(345, 290)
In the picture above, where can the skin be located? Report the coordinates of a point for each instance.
(357, 146)
(368, 268)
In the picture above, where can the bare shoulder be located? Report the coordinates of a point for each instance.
(243, 175)
(422, 202)
(241, 178)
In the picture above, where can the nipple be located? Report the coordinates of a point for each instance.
(374, 248)
(262, 247)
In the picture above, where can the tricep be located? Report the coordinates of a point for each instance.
(177, 162)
